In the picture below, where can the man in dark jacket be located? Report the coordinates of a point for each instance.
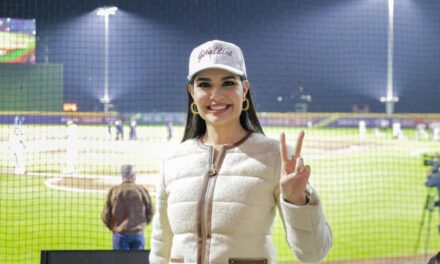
(435, 259)
(128, 210)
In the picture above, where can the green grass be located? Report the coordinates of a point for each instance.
(373, 195)
(36, 218)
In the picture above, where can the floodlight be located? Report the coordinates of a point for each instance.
(106, 11)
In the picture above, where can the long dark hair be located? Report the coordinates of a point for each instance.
(196, 127)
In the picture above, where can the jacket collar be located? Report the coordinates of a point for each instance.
(229, 146)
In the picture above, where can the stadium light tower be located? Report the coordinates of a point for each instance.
(106, 12)
(390, 99)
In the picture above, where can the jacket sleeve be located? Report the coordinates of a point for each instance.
(106, 215)
(149, 210)
(307, 231)
(161, 236)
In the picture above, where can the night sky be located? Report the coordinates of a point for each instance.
(336, 51)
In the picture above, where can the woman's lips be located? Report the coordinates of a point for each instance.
(218, 109)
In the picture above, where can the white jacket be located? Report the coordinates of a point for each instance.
(223, 211)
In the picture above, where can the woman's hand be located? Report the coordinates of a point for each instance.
(294, 175)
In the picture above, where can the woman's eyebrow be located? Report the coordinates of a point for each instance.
(203, 79)
(222, 79)
(229, 77)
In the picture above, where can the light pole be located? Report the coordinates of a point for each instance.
(390, 99)
(106, 12)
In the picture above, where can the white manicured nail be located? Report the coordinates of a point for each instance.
(300, 164)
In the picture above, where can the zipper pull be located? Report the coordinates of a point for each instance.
(212, 172)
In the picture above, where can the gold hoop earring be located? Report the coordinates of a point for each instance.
(245, 104)
(194, 112)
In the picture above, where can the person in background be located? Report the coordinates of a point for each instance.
(220, 188)
(133, 130)
(421, 132)
(169, 130)
(362, 129)
(18, 149)
(18, 121)
(72, 147)
(109, 128)
(128, 210)
(397, 131)
(433, 178)
(435, 127)
(119, 125)
(435, 259)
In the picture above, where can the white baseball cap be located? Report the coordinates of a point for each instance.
(217, 54)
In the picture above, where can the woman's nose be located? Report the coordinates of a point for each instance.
(216, 93)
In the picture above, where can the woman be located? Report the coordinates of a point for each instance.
(220, 187)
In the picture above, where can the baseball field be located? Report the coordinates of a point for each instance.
(372, 190)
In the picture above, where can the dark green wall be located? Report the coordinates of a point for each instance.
(31, 87)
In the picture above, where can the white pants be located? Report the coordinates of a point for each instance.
(71, 159)
(19, 162)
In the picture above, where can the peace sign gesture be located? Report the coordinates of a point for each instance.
(294, 175)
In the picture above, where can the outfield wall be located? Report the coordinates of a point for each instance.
(31, 87)
(335, 120)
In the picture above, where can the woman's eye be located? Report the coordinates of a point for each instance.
(228, 83)
(204, 84)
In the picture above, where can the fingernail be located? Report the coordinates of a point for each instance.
(300, 164)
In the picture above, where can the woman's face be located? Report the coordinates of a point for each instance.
(219, 96)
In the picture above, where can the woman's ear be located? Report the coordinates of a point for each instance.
(246, 86)
(191, 90)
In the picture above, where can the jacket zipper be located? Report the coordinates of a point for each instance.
(210, 174)
(204, 209)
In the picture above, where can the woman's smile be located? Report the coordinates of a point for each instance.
(218, 109)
